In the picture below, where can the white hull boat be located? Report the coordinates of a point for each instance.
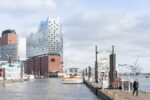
(74, 80)
(72, 77)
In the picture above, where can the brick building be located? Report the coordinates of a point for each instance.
(45, 49)
(9, 46)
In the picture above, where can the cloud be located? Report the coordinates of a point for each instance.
(25, 15)
(128, 33)
(83, 27)
(93, 26)
(69, 2)
(26, 5)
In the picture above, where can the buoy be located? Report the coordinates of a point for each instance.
(107, 92)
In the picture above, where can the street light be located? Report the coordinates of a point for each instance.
(96, 65)
(3, 76)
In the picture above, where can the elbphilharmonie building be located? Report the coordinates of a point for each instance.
(44, 48)
(48, 40)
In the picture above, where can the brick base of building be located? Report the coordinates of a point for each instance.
(44, 65)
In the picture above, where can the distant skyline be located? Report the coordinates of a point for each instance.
(86, 23)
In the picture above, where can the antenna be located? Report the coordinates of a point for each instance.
(112, 49)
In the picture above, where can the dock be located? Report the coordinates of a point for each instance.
(125, 95)
(116, 94)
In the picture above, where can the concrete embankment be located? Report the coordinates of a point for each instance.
(98, 92)
(116, 94)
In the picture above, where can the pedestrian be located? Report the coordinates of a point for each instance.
(135, 87)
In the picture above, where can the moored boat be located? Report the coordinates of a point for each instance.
(72, 76)
(146, 76)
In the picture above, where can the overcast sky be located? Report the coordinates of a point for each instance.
(86, 23)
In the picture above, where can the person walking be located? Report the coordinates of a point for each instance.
(135, 87)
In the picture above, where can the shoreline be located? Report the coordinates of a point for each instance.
(12, 81)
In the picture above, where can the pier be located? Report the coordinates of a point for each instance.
(116, 94)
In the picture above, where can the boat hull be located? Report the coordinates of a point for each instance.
(79, 81)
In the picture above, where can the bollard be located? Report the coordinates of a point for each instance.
(122, 86)
(146, 92)
(107, 92)
(4, 82)
(115, 96)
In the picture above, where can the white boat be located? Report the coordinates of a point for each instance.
(72, 76)
(31, 77)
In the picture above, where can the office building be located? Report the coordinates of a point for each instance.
(9, 46)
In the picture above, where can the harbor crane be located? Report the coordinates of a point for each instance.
(135, 68)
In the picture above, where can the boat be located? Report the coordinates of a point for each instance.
(72, 76)
(146, 76)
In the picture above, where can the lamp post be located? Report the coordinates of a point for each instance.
(129, 80)
(3, 76)
(89, 73)
(129, 83)
(96, 65)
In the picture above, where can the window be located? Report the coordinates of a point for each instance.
(52, 60)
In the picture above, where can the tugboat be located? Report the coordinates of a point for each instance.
(71, 76)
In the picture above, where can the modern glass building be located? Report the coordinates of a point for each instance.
(47, 41)
(44, 48)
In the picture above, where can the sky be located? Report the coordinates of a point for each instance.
(86, 23)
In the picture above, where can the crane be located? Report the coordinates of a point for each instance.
(135, 68)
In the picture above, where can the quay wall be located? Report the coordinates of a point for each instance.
(97, 91)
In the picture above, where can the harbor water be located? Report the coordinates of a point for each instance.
(46, 89)
(144, 82)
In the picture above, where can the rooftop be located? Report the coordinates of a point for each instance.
(8, 31)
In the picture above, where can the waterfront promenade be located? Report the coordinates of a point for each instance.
(125, 95)
(116, 94)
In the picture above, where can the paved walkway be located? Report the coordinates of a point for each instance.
(124, 95)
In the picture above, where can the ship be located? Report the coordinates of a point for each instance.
(72, 76)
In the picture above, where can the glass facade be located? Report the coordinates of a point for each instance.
(48, 39)
(9, 51)
(9, 46)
